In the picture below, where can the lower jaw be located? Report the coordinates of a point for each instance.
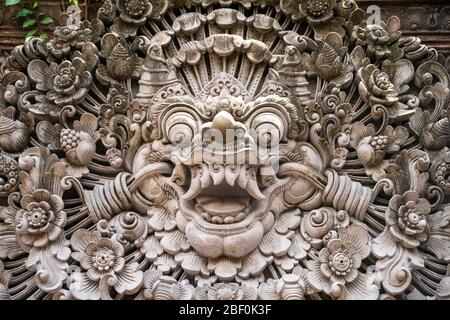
(213, 245)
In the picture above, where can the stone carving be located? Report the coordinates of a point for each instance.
(225, 150)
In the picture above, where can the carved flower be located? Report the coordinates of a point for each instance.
(70, 35)
(384, 87)
(376, 86)
(63, 38)
(121, 62)
(381, 40)
(225, 291)
(102, 259)
(78, 143)
(133, 14)
(68, 85)
(160, 287)
(336, 271)
(64, 84)
(372, 148)
(326, 61)
(320, 16)
(406, 218)
(41, 219)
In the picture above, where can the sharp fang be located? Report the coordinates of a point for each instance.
(253, 189)
(205, 179)
(231, 176)
(243, 178)
(217, 176)
(194, 189)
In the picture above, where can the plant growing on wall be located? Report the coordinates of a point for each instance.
(32, 18)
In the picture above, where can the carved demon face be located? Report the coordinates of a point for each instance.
(225, 148)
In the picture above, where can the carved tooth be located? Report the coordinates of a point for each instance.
(217, 175)
(206, 216)
(229, 219)
(243, 178)
(194, 189)
(240, 216)
(231, 175)
(205, 179)
(253, 189)
(217, 219)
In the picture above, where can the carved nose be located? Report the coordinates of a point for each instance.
(223, 121)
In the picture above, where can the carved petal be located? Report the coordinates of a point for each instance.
(173, 241)
(361, 289)
(84, 288)
(130, 279)
(50, 264)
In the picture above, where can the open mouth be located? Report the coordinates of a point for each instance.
(224, 204)
(222, 195)
(218, 212)
(224, 212)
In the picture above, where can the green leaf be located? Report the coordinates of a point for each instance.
(75, 2)
(30, 33)
(12, 2)
(43, 36)
(23, 12)
(47, 20)
(35, 4)
(28, 23)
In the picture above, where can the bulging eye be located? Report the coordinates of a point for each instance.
(181, 128)
(268, 129)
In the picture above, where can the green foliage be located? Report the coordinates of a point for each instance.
(23, 12)
(30, 33)
(28, 23)
(12, 2)
(33, 19)
(47, 20)
(31, 16)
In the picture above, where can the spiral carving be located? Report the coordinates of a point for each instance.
(342, 193)
(108, 200)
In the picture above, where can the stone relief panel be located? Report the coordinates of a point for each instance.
(227, 149)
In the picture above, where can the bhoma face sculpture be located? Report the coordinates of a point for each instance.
(225, 150)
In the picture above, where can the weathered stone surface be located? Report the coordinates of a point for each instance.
(225, 150)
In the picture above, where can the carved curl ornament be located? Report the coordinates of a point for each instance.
(335, 185)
